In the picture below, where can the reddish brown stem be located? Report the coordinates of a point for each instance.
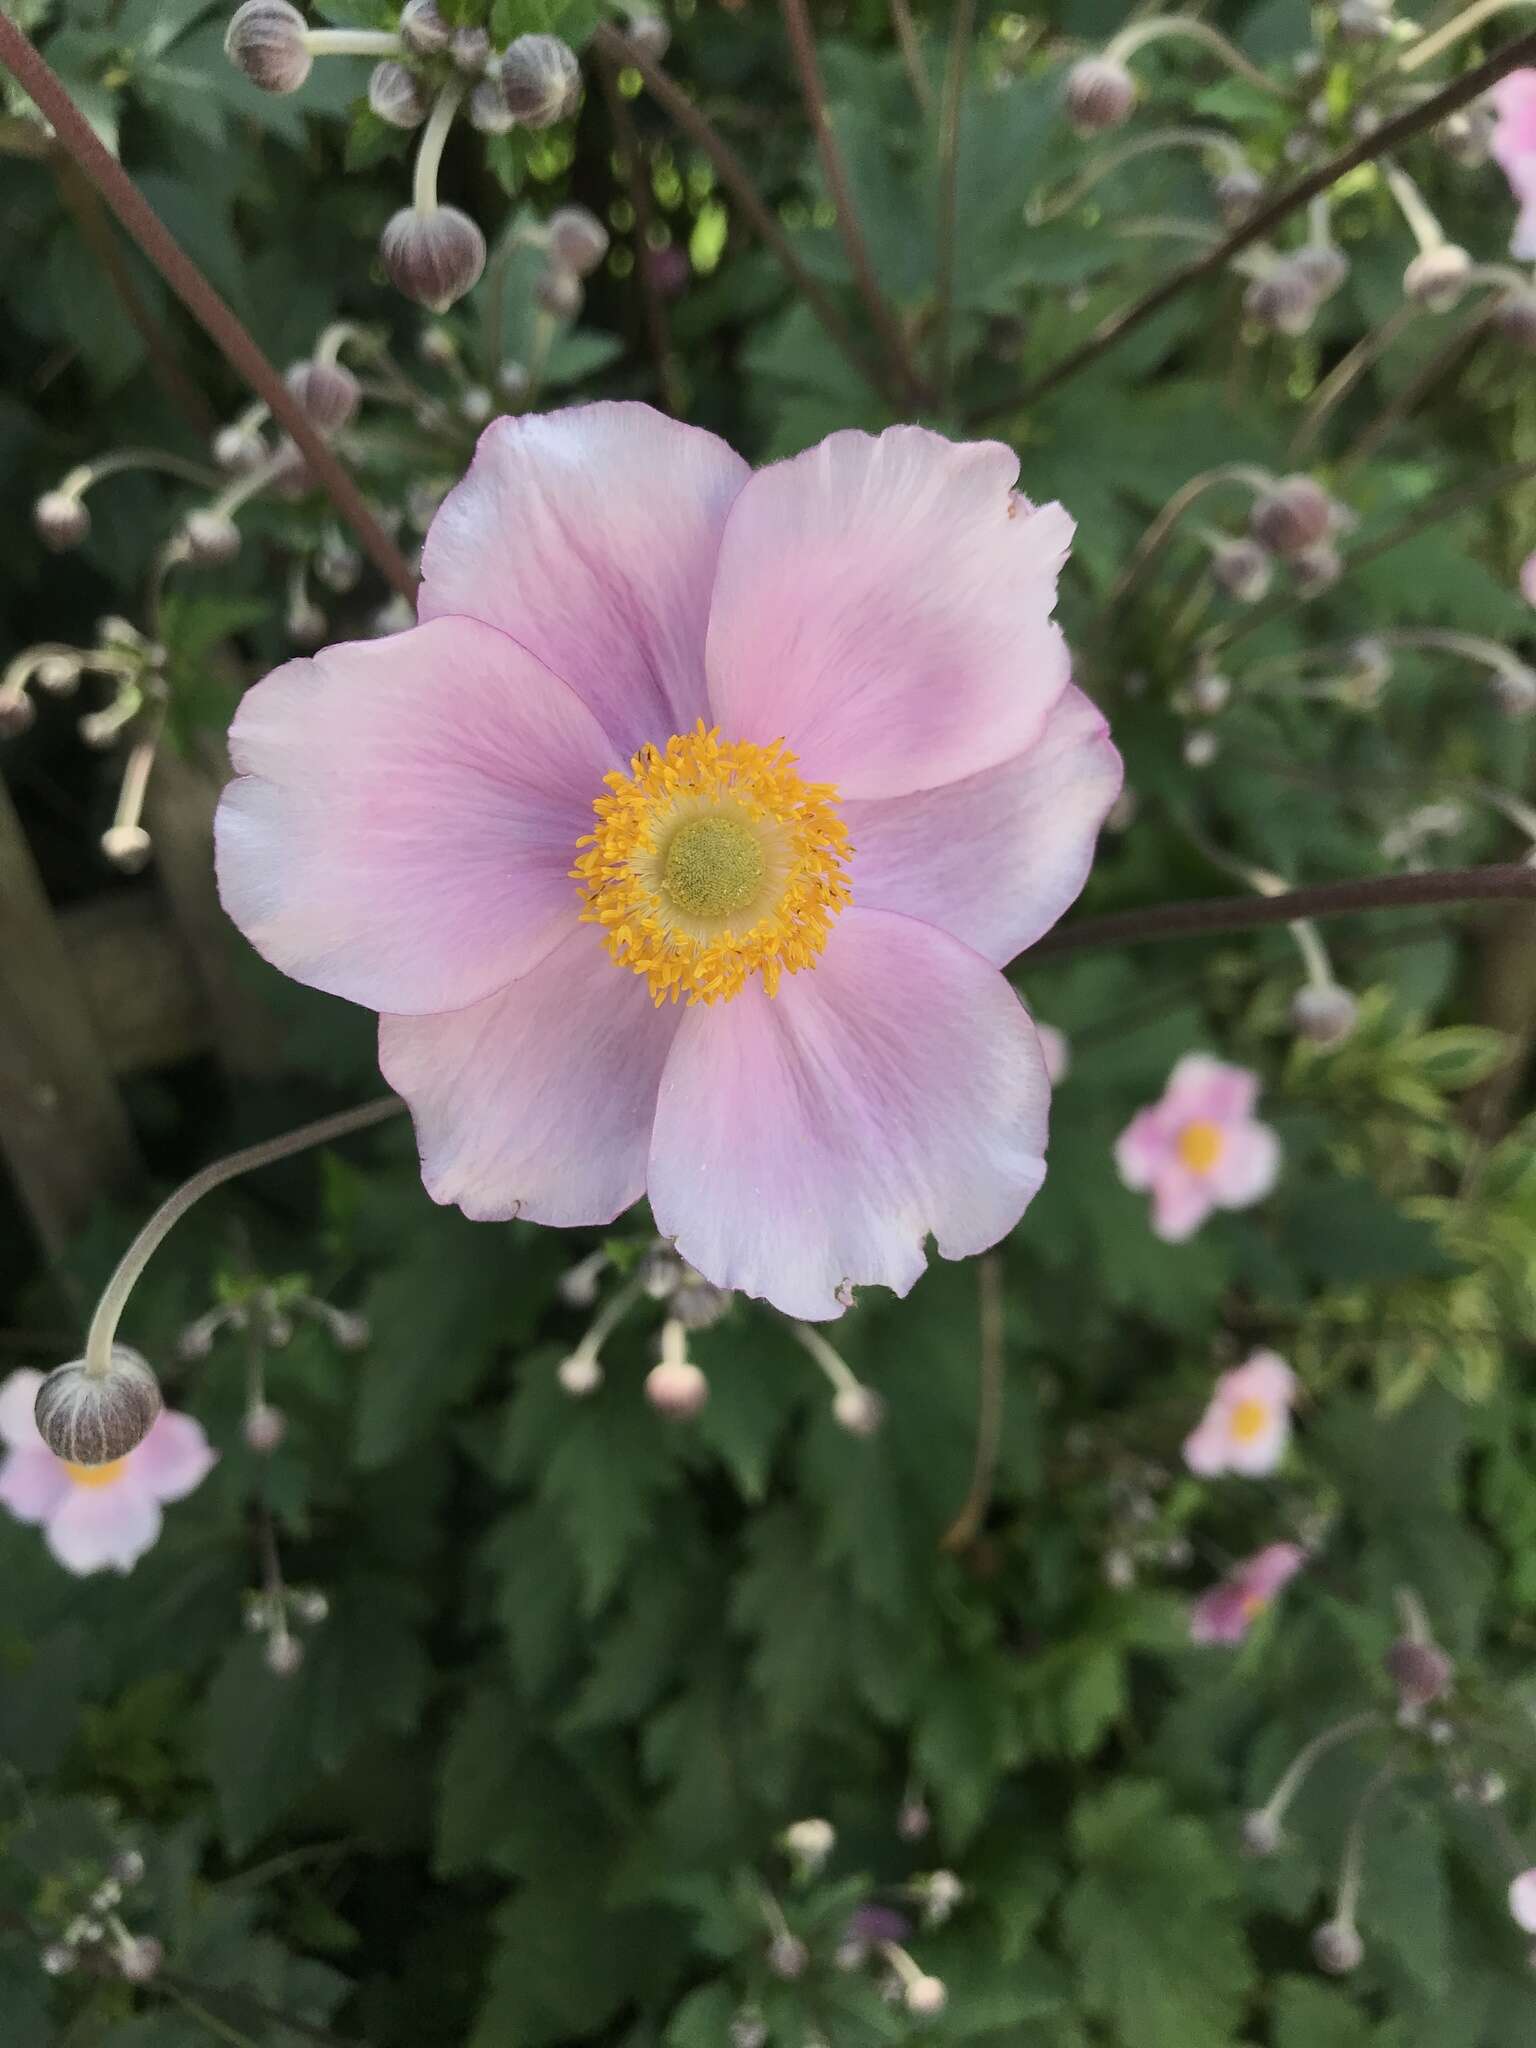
(205, 305)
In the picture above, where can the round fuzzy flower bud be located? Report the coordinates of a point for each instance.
(1284, 300)
(514, 381)
(676, 1388)
(942, 1892)
(1365, 21)
(92, 1419)
(1324, 265)
(540, 80)
(212, 538)
(128, 1867)
(327, 392)
(1514, 690)
(1260, 1834)
(925, 1997)
(57, 1959)
(338, 565)
(435, 257)
(648, 34)
(1243, 569)
(438, 346)
(809, 1843)
(17, 714)
(422, 29)
(913, 1820)
(1515, 318)
(579, 1375)
(578, 241)
(476, 404)
(284, 1654)
(1337, 1948)
(1436, 278)
(788, 1957)
(349, 1331)
(1210, 693)
(1201, 748)
(1100, 94)
(559, 293)
(1238, 191)
(1466, 134)
(306, 623)
(1324, 1014)
(397, 95)
(127, 848)
(1314, 570)
(264, 1428)
(61, 520)
(1293, 514)
(269, 41)
(470, 50)
(140, 1959)
(748, 2030)
(311, 1607)
(488, 110)
(236, 447)
(858, 1409)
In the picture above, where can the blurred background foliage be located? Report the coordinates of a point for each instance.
(580, 1667)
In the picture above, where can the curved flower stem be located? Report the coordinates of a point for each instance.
(1291, 1782)
(1389, 136)
(1347, 1899)
(429, 151)
(1127, 152)
(833, 1364)
(1169, 26)
(121, 460)
(1336, 386)
(76, 135)
(949, 186)
(802, 47)
(989, 1408)
(1429, 47)
(1162, 526)
(911, 53)
(98, 1343)
(351, 42)
(1497, 883)
(737, 180)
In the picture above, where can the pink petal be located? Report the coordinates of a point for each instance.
(1142, 1148)
(407, 815)
(174, 1459)
(809, 1143)
(1528, 579)
(1261, 1453)
(537, 1103)
(1181, 1201)
(1247, 1168)
(996, 858)
(1264, 1574)
(1219, 1616)
(1207, 1445)
(32, 1482)
(1522, 1900)
(1205, 1090)
(18, 1398)
(883, 603)
(1514, 135)
(99, 1527)
(1264, 1376)
(591, 537)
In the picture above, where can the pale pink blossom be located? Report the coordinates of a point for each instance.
(1522, 1901)
(1528, 579)
(1200, 1148)
(1247, 1424)
(96, 1517)
(1227, 1612)
(1513, 144)
(520, 827)
(1055, 1050)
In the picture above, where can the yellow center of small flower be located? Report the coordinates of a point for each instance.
(1252, 1605)
(1249, 1419)
(1200, 1145)
(712, 862)
(94, 1475)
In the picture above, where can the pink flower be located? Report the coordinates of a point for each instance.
(520, 828)
(1226, 1612)
(1200, 1148)
(1055, 1050)
(96, 1517)
(1247, 1424)
(1528, 579)
(1513, 144)
(1522, 1901)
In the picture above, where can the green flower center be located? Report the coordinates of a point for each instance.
(714, 866)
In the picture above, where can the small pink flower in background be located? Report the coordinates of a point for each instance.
(623, 941)
(96, 1517)
(1528, 579)
(1199, 1148)
(1227, 1612)
(1055, 1050)
(1522, 1901)
(1247, 1425)
(1513, 144)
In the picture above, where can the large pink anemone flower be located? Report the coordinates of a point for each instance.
(1513, 144)
(682, 843)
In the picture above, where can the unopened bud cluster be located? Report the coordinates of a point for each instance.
(87, 1906)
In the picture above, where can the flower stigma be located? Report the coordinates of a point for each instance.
(1200, 1145)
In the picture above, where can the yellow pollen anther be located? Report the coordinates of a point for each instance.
(712, 862)
(94, 1475)
(1250, 1418)
(1200, 1145)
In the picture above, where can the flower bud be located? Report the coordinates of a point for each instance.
(61, 520)
(1243, 569)
(1314, 570)
(559, 293)
(1337, 1948)
(858, 1409)
(1238, 191)
(264, 1428)
(349, 1330)
(1522, 1901)
(1201, 748)
(1324, 1014)
(338, 565)
(470, 50)
(1260, 1833)
(328, 393)
(913, 1820)
(57, 1959)
(809, 1843)
(438, 345)
(1365, 21)
(540, 80)
(1119, 1570)
(212, 538)
(284, 1654)
(236, 447)
(488, 109)
(127, 848)
(513, 381)
(397, 95)
(579, 1374)
(17, 714)
(1293, 514)
(788, 1957)
(87, 1418)
(1514, 690)
(422, 29)
(1466, 134)
(749, 2030)
(476, 404)
(660, 1272)
(1283, 300)
(1324, 266)
(1515, 318)
(397, 616)
(128, 1867)
(311, 1606)
(677, 1389)
(306, 623)
(140, 1959)
(578, 241)
(698, 1305)
(925, 1997)
(434, 257)
(268, 40)
(1210, 692)
(1436, 278)
(942, 1892)
(648, 34)
(1100, 94)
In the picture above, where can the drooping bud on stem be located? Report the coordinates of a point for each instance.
(93, 1417)
(540, 80)
(676, 1387)
(855, 1407)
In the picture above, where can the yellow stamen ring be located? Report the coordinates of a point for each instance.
(712, 862)
(1200, 1145)
(94, 1475)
